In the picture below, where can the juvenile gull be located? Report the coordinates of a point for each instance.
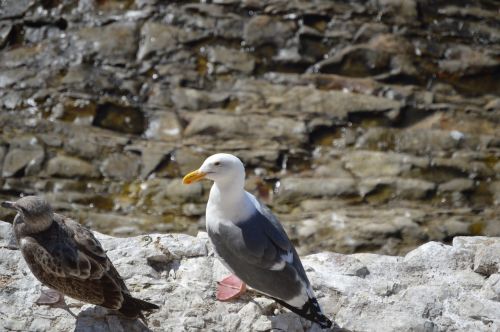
(67, 257)
(251, 242)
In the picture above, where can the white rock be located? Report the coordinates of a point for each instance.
(433, 288)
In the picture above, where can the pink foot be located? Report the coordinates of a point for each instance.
(230, 287)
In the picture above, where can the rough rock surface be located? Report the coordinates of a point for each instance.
(379, 117)
(435, 287)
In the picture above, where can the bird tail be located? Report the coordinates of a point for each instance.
(133, 307)
(311, 311)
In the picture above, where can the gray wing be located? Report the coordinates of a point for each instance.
(278, 237)
(68, 250)
(259, 241)
(80, 252)
(259, 252)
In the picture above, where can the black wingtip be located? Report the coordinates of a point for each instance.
(132, 307)
(311, 311)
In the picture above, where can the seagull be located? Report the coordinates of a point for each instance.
(251, 242)
(67, 258)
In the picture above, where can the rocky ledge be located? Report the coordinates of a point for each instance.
(435, 287)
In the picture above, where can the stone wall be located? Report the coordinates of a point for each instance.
(366, 125)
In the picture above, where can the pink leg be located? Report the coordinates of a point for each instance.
(230, 287)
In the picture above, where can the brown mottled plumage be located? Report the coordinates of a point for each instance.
(67, 257)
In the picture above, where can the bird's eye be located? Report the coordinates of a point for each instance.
(217, 163)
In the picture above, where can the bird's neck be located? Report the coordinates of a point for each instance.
(230, 201)
(22, 227)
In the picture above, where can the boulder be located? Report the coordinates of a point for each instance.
(432, 288)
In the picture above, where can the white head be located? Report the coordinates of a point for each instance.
(222, 168)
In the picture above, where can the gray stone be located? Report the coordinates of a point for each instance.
(334, 169)
(164, 127)
(491, 288)
(373, 163)
(457, 185)
(421, 141)
(462, 59)
(69, 167)
(487, 259)
(263, 29)
(115, 42)
(158, 37)
(226, 60)
(222, 126)
(17, 159)
(433, 284)
(192, 99)
(15, 8)
(121, 166)
(494, 188)
(291, 189)
(402, 188)
(401, 12)
(3, 150)
(10, 77)
(153, 154)
(254, 95)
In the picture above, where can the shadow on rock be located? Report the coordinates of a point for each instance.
(289, 321)
(97, 318)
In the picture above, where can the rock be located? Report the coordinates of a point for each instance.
(255, 127)
(402, 188)
(3, 150)
(115, 42)
(174, 191)
(164, 127)
(153, 156)
(9, 77)
(433, 285)
(307, 100)
(464, 60)
(13, 8)
(189, 159)
(425, 141)
(263, 29)
(121, 166)
(226, 60)
(457, 185)
(495, 190)
(400, 12)
(291, 189)
(332, 169)
(193, 99)
(487, 259)
(222, 126)
(394, 101)
(125, 119)
(491, 289)
(28, 158)
(69, 167)
(371, 163)
(158, 37)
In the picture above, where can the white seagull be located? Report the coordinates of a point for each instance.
(251, 242)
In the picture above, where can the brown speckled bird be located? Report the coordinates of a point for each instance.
(67, 257)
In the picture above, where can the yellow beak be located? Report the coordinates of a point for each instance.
(193, 177)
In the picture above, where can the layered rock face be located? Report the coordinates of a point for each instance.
(435, 287)
(368, 126)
